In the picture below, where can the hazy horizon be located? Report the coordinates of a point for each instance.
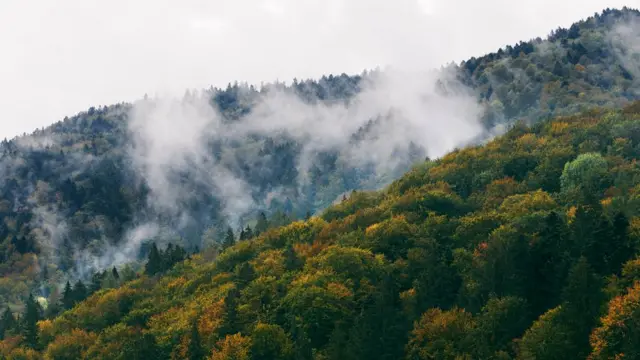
(68, 56)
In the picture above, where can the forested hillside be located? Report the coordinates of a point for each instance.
(76, 201)
(522, 248)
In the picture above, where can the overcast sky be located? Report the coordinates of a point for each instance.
(60, 57)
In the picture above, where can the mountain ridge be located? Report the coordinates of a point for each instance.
(69, 189)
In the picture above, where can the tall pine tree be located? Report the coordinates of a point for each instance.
(229, 239)
(195, 350)
(154, 264)
(32, 314)
(7, 324)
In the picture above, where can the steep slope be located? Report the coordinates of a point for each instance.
(507, 250)
(77, 198)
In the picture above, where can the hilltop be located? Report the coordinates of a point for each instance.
(77, 200)
(522, 248)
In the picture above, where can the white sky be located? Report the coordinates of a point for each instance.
(60, 57)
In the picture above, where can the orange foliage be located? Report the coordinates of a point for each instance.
(616, 334)
(210, 321)
(232, 347)
(24, 354)
(500, 189)
(70, 345)
(270, 262)
(9, 344)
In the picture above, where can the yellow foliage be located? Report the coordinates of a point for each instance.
(46, 331)
(558, 128)
(210, 321)
(571, 214)
(527, 141)
(339, 290)
(24, 354)
(178, 282)
(232, 347)
(166, 325)
(371, 229)
(317, 277)
(303, 250)
(499, 189)
(70, 345)
(270, 262)
(522, 204)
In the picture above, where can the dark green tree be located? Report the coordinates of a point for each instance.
(96, 282)
(291, 260)
(550, 256)
(245, 273)
(262, 224)
(8, 324)
(229, 239)
(79, 292)
(582, 298)
(195, 350)
(32, 314)
(115, 273)
(230, 317)
(154, 263)
(67, 301)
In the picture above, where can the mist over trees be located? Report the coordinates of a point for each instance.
(204, 226)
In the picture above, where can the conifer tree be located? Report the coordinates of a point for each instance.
(229, 239)
(79, 292)
(195, 350)
(262, 225)
(67, 297)
(32, 315)
(7, 323)
(230, 317)
(154, 264)
(115, 273)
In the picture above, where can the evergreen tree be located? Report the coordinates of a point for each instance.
(32, 315)
(167, 257)
(154, 264)
(230, 317)
(79, 292)
(96, 282)
(7, 324)
(620, 247)
(175, 255)
(229, 239)
(115, 273)
(291, 260)
(67, 297)
(247, 233)
(302, 349)
(262, 224)
(109, 281)
(582, 298)
(128, 273)
(550, 259)
(195, 350)
(245, 273)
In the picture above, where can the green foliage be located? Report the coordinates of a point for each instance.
(507, 250)
(586, 174)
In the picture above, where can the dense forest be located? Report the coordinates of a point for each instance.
(523, 247)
